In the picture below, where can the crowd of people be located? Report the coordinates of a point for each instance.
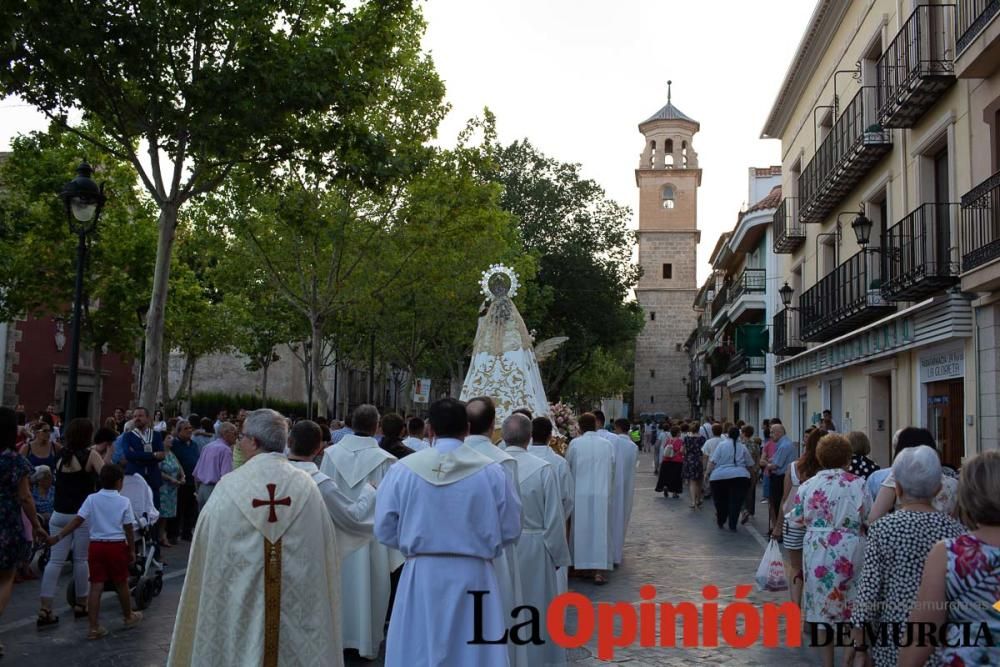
(556, 517)
(915, 542)
(402, 517)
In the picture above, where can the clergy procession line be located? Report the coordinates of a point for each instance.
(478, 528)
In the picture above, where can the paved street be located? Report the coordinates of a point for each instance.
(675, 549)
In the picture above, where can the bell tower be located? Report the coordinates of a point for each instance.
(668, 178)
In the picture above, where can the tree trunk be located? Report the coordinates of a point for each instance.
(164, 384)
(157, 306)
(187, 378)
(265, 367)
(190, 387)
(316, 360)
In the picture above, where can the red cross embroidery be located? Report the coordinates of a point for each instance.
(273, 517)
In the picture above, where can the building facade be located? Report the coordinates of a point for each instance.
(34, 362)
(668, 179)
(732, 370)
(883, 322)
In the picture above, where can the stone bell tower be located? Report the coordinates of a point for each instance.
(668, 178)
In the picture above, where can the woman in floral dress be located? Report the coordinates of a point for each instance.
(173, 478)
(15, 497)
(693, 470)
(961, 580)
(831, 507)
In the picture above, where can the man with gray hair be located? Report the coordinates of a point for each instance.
(543, 546)
(354, 463)
(264, 558)
(215, 461)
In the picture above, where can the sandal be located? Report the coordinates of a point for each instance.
(600, 579)
(101, 631)
(79, 611)
(133, 620)
(45, 618)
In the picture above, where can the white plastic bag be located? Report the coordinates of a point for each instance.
(771, 571)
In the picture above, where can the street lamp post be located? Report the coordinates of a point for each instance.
(84, 200)
(397, 378)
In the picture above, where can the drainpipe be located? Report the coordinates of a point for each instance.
(979, 394)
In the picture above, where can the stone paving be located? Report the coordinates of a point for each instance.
(673, 548)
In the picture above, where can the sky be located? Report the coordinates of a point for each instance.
(577, 77)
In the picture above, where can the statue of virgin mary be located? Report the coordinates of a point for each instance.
(504, 361)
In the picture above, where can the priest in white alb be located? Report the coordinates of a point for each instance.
(353, 464)
(482, 414)
(353, 519)
(591, 459)
(262, 585)
(542, 546)
(451, 511)
(625, 460)
(541, 432)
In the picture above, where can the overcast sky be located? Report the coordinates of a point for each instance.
(577, 77)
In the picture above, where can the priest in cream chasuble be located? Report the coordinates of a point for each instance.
(263, 583)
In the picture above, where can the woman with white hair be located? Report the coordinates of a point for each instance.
(946, 499)
(898, 544)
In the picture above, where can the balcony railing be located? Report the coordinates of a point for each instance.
(917, 67)
(846, 298)
(972, 17)
(856, 142)
(720, 301)
(917, 254)
(750, 281)
(788, 232)
(981, 223)
(743, 363)
(785, 330)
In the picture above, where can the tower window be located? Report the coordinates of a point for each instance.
(652, 372)
(652, 399)
(668, 153)
(668, 196)
(652, 315)
(668, 271)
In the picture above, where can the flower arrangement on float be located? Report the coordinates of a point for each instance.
(566, 426)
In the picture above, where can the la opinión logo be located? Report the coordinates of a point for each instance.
(703, 624)
(739, 624)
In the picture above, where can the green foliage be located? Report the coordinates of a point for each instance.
(584, 248)
(209, 403)
(607, 374)
(39, 249)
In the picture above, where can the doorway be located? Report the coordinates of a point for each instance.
(801, 413)
(880, 418)
(945, 407)
(835, 403)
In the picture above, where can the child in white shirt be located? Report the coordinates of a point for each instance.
(112, 546)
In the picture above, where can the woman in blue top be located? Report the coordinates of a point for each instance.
(729, 475)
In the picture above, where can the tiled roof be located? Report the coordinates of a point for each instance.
(669, 112)
(772, 200)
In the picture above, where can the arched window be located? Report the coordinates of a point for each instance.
(668, 153)
(684, 152)
(652, 154)
(668, 196)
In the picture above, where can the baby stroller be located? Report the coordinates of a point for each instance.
(145, 575)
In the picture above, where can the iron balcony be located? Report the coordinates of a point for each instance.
(917, 254)
(788, 232)
(981, 223)
(918, 66)
(719, 303)
(856, 142)
(786, 333)
(848, 297)
(972, 17)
